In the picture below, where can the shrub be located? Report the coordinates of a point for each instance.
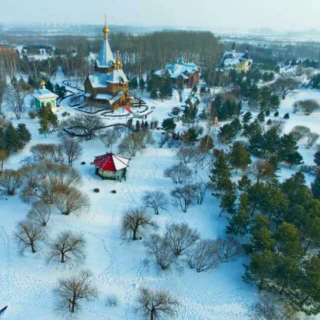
(96, 190)
(112, 301)
(203, 256)
(32, 114)
(286, 116)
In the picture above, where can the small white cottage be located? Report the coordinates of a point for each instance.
(45, 98)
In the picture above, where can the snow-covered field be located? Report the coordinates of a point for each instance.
(121, 267)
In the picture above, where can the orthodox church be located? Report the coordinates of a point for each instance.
(240, 61)
(108, 85)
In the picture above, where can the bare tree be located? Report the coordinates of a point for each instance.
(15, 96)
(227, 249)
(156, 200)
(269, 307)
(131, 144)
(72, 149)
(83, 125)
(47, 152)
(262, 170)
(300, 132)
(10, 181)
(179, 173)
(203, 256)
(134, 220)
(312, 139)
(3, 158)
(3, 88)
(71, 200)
(29, 235)
(109, 138)
(146, 138)
(184, 197)
(155, 304)
(68, 247)
(71, 291)
(284, 85)
(161, 250)
(40, 213)
(42, 181)
(186, 154)
(180, 237)
(200, 190)
(307, 106)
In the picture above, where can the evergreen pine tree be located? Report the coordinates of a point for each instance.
(220, 175)
(247, 117)
(168, 124)
(3, 145)
(261, 117)
(315, 187)
(52, 119)
(142, 85)
(12, 139)
(228, 199)
(44, 125)
(317, 158)
(288, 150)
(24, 133)
(239, 157)
(154, 94)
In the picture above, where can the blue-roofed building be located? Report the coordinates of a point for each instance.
(181, 73)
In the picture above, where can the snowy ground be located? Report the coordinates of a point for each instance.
(121, 267)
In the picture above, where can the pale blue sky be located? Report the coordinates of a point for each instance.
(276, 14)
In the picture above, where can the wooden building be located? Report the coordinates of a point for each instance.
(108, 85)
(193, 100)
(181, 74)
(111, 166)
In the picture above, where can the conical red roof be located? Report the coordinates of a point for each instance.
(111, 162)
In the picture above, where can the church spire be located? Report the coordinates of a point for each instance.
(105, 57)
(105, 29)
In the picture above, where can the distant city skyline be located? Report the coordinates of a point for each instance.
(204, 14)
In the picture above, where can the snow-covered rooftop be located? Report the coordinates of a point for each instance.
(179, 69)
(105, 57)
(45, 94)
(111, 162)
(109, 97)
(99, 80)
(233, 58)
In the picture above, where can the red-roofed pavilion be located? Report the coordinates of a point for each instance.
(111, 166)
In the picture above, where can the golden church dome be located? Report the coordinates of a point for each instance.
(106, 29)
(118, 64)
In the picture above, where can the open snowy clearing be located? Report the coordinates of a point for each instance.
(121, 267)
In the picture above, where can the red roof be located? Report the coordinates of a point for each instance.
(111, 162)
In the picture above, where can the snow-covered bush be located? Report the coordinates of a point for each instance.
(180, 237)
(227, 249)
(161, 250)
(10, 182)
(112, 301)
(179, 173)
(203, 256)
